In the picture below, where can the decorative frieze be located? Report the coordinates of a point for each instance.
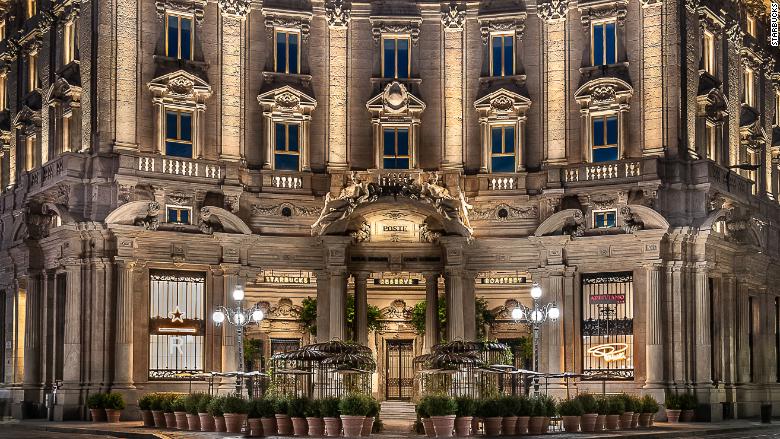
(338, 13)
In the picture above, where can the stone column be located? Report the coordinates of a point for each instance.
(555, 79)
(361, 307)
(69, 402)
(338, 16)
(652, 103)
(126, 76)
(338, 303)
(454, 297)
(743, 328)
(654, 341)
(453, 78)
(323, 306)
(123, 353)
(554, 294)
(732, 86)
(32, 338)
(431, 310)
(233, 64)
(229, 349)
(702, 328)
(469, 306)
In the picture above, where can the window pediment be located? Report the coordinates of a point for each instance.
(288, 19)
(604, 94)
(194, 7)
(180, 86)
(27, 120)
(287, 100)
(503, 102)
(64, 92)
(396, 100)
(601, 9)
(404, 25)
(503, 22)
(710, 20)
(712, 105)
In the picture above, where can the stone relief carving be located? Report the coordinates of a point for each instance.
(180, 199)
(340, 206)
(500, 25)
(151, 220)
(194, 7)
(397, 310)
(279, 210)
(505, 212)
(295, 22)
(407, 25)
(338, 13)
(236, 8)
(603, 94)
(631, 221)
(428, 235)
(553, 10)
(208, 223)
(363, 234)
(453, 16)
(574, 225)
(734, 34)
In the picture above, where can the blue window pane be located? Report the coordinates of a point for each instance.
(389, 67)
(186, 38)
(612, 130)
(495, 140)
(401, 163)
(403, 58)
(178, 149)
(497, 56)
(610, 220)
(388, 164)
(605, 154)
(292, 138)
(286, 162)
(171, 125)
(173, 37)
(598, 132)
(403, 142)
(281, 136)
(281, 52)
(598, 44)
(293, 53)
(185, 124)
(184, 216)
(509, 56)
(503, 164)
(509, 139)
(610, 40)
(173, 216)
(389, 142)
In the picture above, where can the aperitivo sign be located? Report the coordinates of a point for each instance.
(607, 299)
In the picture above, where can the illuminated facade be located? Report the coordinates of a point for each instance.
(158, 153)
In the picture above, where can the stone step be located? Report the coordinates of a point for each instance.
(397, 410)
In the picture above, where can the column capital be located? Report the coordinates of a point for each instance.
(431, 275)
(235, 8)
(361, 275)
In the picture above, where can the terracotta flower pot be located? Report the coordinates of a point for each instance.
(673, 415)
(159, 418)
(522, 424)
(316, 427)
(181, 420)
(443, 425)
(206, 422)
(193, 421)
(686, 416)
(571, 424)
(613, 422)
(332, 427)
(148, 417)
(463, 426)
(219, 424)
(545, 424)
(508, 425)
(652, 419)
(97, 415)
(300, 427)
(644, 420)
(269, 426)
(588, 422)
(170, 420)
(255, 427)
(492, 425)
(535, 425)
(428, 426)
(625, 420)
(284, 425)
(368, 425)
(475, 425)
(352, 425)
(234, 422)
(601, 422)
(635, 420)
(113, 415)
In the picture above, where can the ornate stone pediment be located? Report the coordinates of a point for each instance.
(503, 102)
(713, 105)
(502, 22)
(604, 94)
(287, 18)
(27, 120)
(194, 7)
(396, 101)
(287, 100)
(405, 25)
(180, 86)
(396, 311)
(553, 10)
(64, 93)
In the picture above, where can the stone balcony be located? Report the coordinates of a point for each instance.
(66, 165)
(625, 171)
(158, 166)
(722, 180)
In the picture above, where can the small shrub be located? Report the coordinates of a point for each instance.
(234, 404)
(281, 406)
(297, 407)
(314, 409)
(602, 406)
(511, 406)
(629, 403)
(615, 405)
(489, 408)
(178, 403)
(441, 405)
(673, 402)
(265, 407)
(192, 401)
(588, 402)
(215, 406)
(688, 401)
(203, 403)
(96, 401)
(374, 407)
(145, 402)
(354, 404)
(330, 407)
(155, 401)
(466, 406)
(571, 407)
(168, 399)
(649, 404)
(115, 401)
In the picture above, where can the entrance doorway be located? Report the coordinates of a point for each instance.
(399, 372)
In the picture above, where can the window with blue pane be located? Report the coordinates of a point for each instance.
(287, 146)
(604, 219)
(396, 60)
(502, 58)
(604, 146)
(178, 133)
(502, 149)
(178, 38)
(178, 215)
(395, 154)
(604, 43)
(287, 52)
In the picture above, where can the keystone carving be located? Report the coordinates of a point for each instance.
(151, 220)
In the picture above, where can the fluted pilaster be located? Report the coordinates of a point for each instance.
(123, 353)
(702, 327)
(454, 292)
(654, 349)
(431, 310)
(338, 303)
(32, 338)
(361, 307)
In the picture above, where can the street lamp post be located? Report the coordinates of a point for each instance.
(239, 317)
(535, 317)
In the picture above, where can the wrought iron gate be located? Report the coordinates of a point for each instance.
(399, 373)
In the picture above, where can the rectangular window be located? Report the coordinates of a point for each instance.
(396, 59)
(502, 58)
(65, 133)
(287, 146)
(287, 52)
(3, 93)
(711, 141)
(69, 42)
(178, 133)
(396, 148)
(751, 336)
(177, 324)
(32, 72)
(708, 52)
(604, 137)
(31, 9)
(752, 175)
(604, 219)
(603, 43)
(179, 36)
(748, 87)
(751, 26)
(29, 154)
(179, 215)
(2, 29)
(608, 324)
(502, 152)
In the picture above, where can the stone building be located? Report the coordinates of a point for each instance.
(158, 153)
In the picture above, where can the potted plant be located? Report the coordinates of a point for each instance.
(550, 410)
(283, 422)
(216, 412)
(191, 402)
(267, 410)
(204, 417)
(590, 412)
(156, 406)
(467, 408)
(538, 414)
(180, 412)
(254, 416)
(571, 410)
(314, 418)
(636, 402)
(628, 411)
(114, 405)
(442, 410)
(649, 408)
(673, 407)
(688, 403)
(145, 405)
(615, 408)
(170, 418)
(330, 414)
(373, 412)
(603, 409)
(508, 415)
(490, 411)
(422, 413)
(523, 415)
(353, 408)
(234, 409)
(96, 403)
(297, 412)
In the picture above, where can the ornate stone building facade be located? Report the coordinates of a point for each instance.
(158, 153)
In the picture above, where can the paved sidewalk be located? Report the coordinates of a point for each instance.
(135, 430)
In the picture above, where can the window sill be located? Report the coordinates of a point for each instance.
(383, 81)
(604, 67)
(271, 75)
